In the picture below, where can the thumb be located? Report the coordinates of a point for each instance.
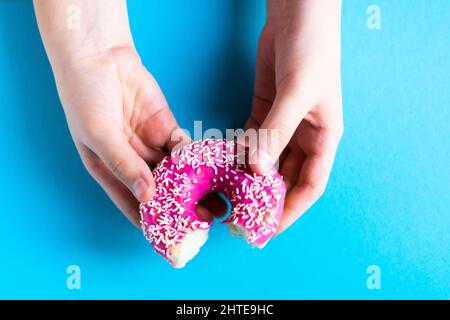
(288, 110)
(123, 161)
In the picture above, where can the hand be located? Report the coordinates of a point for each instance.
(120, 123)
(297, 94)
(117, 114)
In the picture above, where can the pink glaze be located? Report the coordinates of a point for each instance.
(198, 169)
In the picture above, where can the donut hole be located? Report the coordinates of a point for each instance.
(213, 205)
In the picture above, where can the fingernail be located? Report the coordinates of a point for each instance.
(139, 188)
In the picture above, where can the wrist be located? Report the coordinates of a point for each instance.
(64, 60)
(298, 13)
(75, 29)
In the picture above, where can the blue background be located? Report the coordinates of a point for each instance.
(387, 202)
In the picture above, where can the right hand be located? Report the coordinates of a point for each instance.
(120, 122)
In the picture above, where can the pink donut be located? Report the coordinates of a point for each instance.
(169, 220)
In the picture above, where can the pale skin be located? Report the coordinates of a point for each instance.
(121, 122)
(298, 93)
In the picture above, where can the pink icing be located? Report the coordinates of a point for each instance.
(198, 169)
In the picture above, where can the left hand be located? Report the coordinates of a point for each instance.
(297, 94)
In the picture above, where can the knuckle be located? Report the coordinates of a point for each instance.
(93, 131)
(317, 189)
(93, 165)
(90, 132)
(117, 167)
(290, 80)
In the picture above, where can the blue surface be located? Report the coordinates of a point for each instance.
(387, 202)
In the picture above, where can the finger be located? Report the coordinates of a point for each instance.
(290, 168)
(303, 195)
(115, 189)
(177, 139)
(251, 124)
(149, 154)
(311, 184)
(288, 109)
(160, 131)
(112, 147)
(265, 88)
(121, 197)
(153, 155)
